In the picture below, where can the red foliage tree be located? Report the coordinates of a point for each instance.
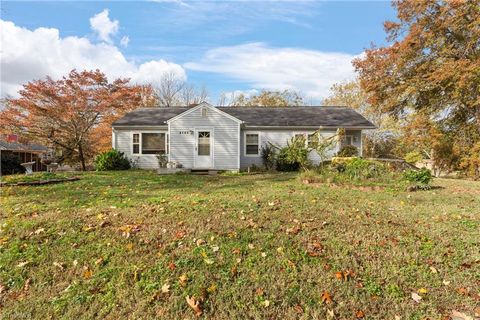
(72, 114)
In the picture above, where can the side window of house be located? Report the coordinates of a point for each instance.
(350, 140)
(252, 144)
(136, 143)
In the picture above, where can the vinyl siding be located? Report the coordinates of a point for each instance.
(280, 138)
(225, 139)
(122, 141)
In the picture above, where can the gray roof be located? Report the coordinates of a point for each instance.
(16, 146)
(318, 116)
(149, 116)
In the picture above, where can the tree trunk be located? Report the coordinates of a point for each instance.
(477, 114)
(82, 158)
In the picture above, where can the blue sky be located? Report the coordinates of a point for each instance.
(225, 46)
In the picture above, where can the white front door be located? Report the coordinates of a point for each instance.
(203, 148)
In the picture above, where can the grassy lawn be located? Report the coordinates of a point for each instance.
(133, 245)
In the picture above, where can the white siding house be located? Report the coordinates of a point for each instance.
(226, 138)
(205, 138)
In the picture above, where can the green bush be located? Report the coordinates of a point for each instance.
(421, 178)
(348, 151)
(364, 169)
(413, 157)
(294, 155)
(11, 164)
(268, 156)
(112, 160)
(284, 161)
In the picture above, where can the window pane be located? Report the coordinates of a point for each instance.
(349, 140)
(136, 138)
(203, 143)
(203, 149)
(136, 148)
(252, 139)
(153, 143)
(252, 149)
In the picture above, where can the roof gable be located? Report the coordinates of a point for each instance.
(204, 105)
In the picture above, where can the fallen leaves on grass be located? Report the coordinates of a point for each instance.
(172, 266)
(456, 315)
(195, 305)
(23, 264)
(59, 265)
(326, 297)
(462, 291)
(294, 230)
(165, 288)
(314, 248)
(416, 297)
(345, 275)
(87, 273)
(183, 279)
(212, 288)
(129, 229)
(359, 314)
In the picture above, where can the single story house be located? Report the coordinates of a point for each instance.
(226, 138)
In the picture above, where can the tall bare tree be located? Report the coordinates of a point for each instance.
(265, 98)
(171, 91)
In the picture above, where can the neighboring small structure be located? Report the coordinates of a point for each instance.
(26, 152)
(205, 137)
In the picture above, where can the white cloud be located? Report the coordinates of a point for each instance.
(263, 67)
(33, 54)
(103, 26)
(125, 41)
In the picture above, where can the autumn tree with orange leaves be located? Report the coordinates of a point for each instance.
(431, 67)
(73, 114)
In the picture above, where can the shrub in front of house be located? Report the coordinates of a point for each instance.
(293, 156)
(284, 162)
(269, 155)
(361, 169)
(112, 160)
(162, 160)
(348, 151)
(419, 178)
(11, 164)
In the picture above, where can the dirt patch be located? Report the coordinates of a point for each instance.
(37, 183)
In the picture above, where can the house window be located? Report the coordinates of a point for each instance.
(136, 143)
(252, 144)
(350, 140)
(154, 143)
(150, 143)
(204, 112)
